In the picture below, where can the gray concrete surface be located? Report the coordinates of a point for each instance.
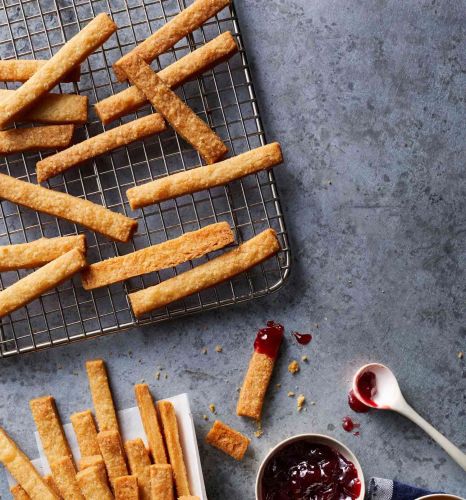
(367, 98)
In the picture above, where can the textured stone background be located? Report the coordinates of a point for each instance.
(367, 99)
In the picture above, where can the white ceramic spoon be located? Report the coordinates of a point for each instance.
(387, 396)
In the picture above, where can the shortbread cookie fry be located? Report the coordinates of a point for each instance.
(113, 454)
(167, 254)
(188, 67)
(88, 214)
(198, 179)
(161, 482)
(256, 382)
(39, 252)
(102, 396)
(48, 75)
(20, 70)
(48, 480)
(19, 140)
(45, 414)
(175, 452)
(64, 475)
(228, 440)
(126, 488)
(21, 468)
(18, 493)
(139, 463)
(98, 145)
(180, 116)
(86, 433)
(93, 484)
(150, 423)
(242, 258)
(92, 461)
(37, 283)
(56, 108)
(168, 35)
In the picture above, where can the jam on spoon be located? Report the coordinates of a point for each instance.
(308, 471)
(367, 386)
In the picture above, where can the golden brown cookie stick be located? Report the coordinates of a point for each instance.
(98, 145)
(102, 396)
(175, 452)
(20, 70)
(64, 475)
(56, 108)
(113, 454)
(242, 258)
(48, 480)
(198, 179)
(39, 252)
(45, 414)
(188, 67)
(21, 468)
(167, 254)
(168, 35)
(255, 384)
(86, 433)
(139, 463)
(18, 493)
(180, 116)
(90, 215)
(150, 423)
(19, 140)
(37, 283)
(92, 461)
(126, 488)
(94, 484)
(47, 76)
(161, 482)
(228, 440)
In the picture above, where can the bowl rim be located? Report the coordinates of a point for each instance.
(440, 495)
(318, 439)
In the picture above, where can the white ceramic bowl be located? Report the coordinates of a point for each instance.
(440, 496)
(317, 439)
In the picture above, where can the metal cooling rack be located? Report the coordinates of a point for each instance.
(224, 97)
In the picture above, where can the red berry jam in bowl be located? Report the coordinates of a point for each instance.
(306, 470)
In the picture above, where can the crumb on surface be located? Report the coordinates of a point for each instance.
(278, 386)
(166, 375)
(313, 403)
(460, 355)
(304, 358)
(300, 402)
(258, 433)
(157, 375)
(212, 408)
(293, 367)
(290, 394)
(204, 350)
(205, 417)
(218, 348)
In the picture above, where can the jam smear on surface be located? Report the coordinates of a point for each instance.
(309, 471)
(355, 404)
(349, 424)
(302, 338)
(268, 339)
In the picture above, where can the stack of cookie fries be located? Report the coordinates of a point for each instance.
(108, 467)
(143, 251)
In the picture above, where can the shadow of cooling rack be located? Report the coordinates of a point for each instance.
(224, 97)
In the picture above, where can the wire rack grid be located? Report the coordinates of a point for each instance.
(223, 96)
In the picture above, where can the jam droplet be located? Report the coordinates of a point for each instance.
(309, 471)
(367, 387)
(355, 404)
(268, 339)
(302, 338)
(349, 424)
